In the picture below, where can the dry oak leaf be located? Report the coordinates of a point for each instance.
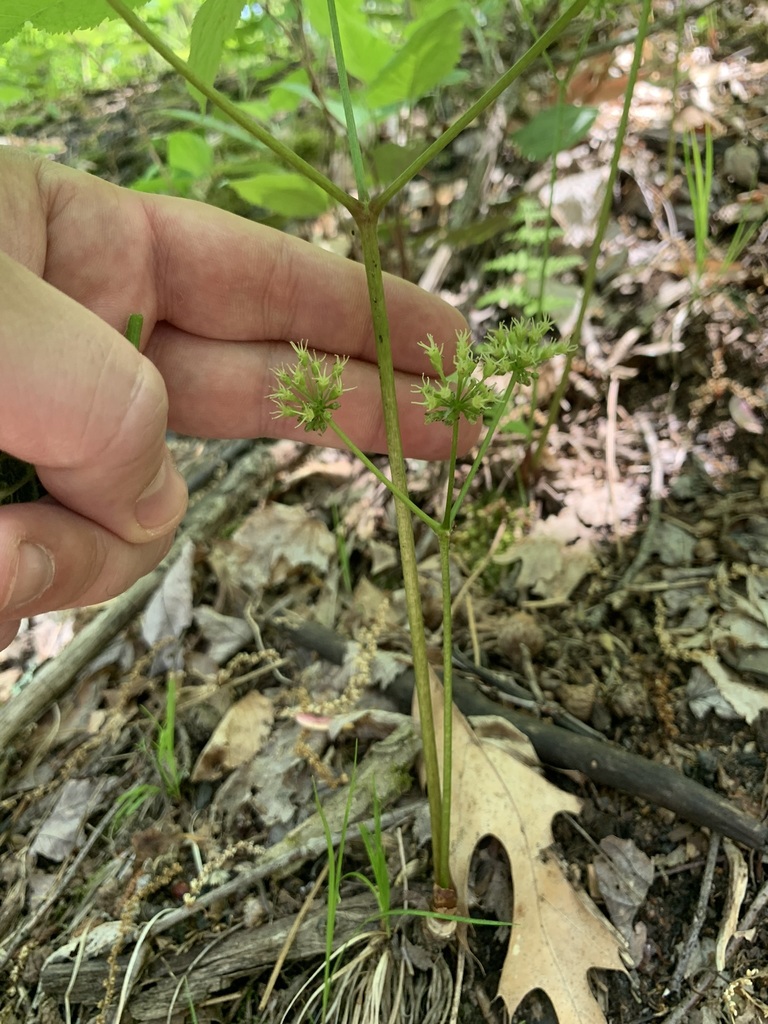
(557, 935)
(238, 737)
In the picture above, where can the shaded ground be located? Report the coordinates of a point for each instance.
(620, 591)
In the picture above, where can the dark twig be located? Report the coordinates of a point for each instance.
(602, 761)
(694, 931)
(681, 1013)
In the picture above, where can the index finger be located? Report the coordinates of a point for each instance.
(228, 278)
(212, 274)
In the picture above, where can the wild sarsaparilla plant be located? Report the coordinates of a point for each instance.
(310, 389)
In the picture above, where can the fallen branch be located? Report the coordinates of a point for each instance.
(601, 761)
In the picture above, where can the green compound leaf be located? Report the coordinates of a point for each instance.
(553, 130)
(54, 15)
(428, 57)
(190, 154)
(366, 51)
(214, 23)
(389, 159)
(288, 194)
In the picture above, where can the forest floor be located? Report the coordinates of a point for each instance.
(613, 598)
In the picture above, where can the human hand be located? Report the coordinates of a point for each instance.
(221, 300)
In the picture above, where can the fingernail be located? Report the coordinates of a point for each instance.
(34, 574)
(163, 502)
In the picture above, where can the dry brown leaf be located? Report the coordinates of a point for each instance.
(273, 544)
(738, 876)
(240, 735)
(557, 936)
(550, 570)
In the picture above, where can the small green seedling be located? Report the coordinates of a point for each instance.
(164, 756)
(699, 174)
(377, 858)
(164, 746)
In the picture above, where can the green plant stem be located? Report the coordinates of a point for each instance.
(380, 201)
(447, 521)
(355, 152)
(133, 329)
(373, 468)
(227, 107)
(443, 869)
(602, 225)
(699, 178)
(498, 412)
(372, 259)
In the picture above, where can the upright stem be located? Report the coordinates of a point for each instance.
(443, 852)
(602, 225)
(355, 152)
(372, 258)
(458, 126)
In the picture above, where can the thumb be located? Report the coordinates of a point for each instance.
(90, 412)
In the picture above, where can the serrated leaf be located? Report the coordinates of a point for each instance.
(554, 129)
(55, 15)
(214, 23)
(430, 55)
(288, 194)
(189, 153)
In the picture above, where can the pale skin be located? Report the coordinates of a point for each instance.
(221, 299)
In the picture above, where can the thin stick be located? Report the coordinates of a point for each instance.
(611, 468)
(590, 276)
(699, 914)
(81, 944)
(290, 937)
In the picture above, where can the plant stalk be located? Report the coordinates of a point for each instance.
(542, 43)
(602, 225)
(355, 152)
(374, 469)
(442, 853)
(372, 259)
(484, 445)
